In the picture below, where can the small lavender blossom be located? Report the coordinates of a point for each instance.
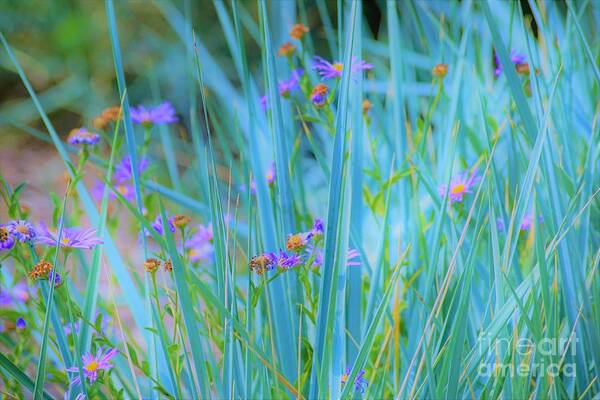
(158, 225)
(515, 57)
(57, 278)
(200, 246)
(92, 365)
(7, 241)
(327, 70)
(287, 261)
(288, 86)
(124, 189)
(319, 94)
(20, 323)
(160, 115)
(460, 185)
(22, 230)
(83, 136)
(124, 171)
(360, 383)
(526, 223)
(71, 238)
(318, 228)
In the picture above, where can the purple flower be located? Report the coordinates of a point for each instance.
(71, 238)
(287, 261)
(298, 241)
(20, 324)
(6, 239)
(515, 57)
(319, 94)
(158, 225)
(287, 87)
(57, 278)
(200, 246)
(22, 230)
(328, 70)
(317, 229)
(83, 136)
(159, 115)
(92, 365)
(526, 223)
(459, 186)
(360, 383)
(124, 171)
(124, 189)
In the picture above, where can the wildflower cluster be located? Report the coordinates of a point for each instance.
(301, 249)
(298, 81)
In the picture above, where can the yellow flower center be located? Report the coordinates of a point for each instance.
(338, 67)
(458, 189)
(295, 242)
(344, 378)
(65, 241)
(22, 229)
(122, 189)
(92, 366)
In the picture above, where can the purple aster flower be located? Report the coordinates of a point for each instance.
(22, 230)
(360, 383)
(318, 228)
(527, 222)
(71, 238)
(459, 186)
(515, 57)
(83, 136)
(159, 115)
(124, 189)
(328, 70)
(93, 364)
(200, 246)
(6, 238)
(20, 324)
(124, 171)
(287, 261)
(298, 241)
(57, 278)
(287, 87)
(319, 94)
(158, 225)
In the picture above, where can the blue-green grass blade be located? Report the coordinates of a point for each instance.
(321, 370)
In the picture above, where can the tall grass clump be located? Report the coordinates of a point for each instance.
(298, 199)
